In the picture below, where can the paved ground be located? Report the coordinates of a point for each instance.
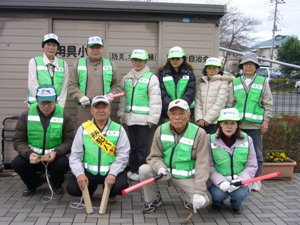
(277, 203)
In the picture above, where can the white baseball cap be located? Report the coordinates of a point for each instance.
(94, 40)
(180, 103)
(100, 98)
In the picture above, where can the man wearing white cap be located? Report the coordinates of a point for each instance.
(179, 152)
(44, 129)
(100, 152)
(92, 76)
(48, 69)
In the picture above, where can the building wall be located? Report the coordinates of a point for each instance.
(21, 38)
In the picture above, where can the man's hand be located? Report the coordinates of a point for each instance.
(33, 158)
(110, 180)
(82, 181)
(264, 127)
(52, 156)
(198, 202)
(84, 101)
(163, 171)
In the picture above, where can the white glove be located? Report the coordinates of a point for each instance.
(232, 187)
(108, 96)
(162, 171)
(224, 186)
(198, 202)
(84, 101)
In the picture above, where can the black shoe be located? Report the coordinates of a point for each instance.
(58, 191)
(151, 205)
(237, 211)
(188, 205)
(215, 207)
(28, 192)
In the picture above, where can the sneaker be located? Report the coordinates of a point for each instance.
(28, 192)
(134, 177)
(237, 211)
(188, 205)
(256, 186)
(151, 205)
(129, 173)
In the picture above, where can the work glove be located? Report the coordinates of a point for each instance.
(109, 97)
(224, 186)
(232, 187)
(198, 202)
(84, 101)
(162, 171)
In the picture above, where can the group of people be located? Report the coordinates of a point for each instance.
(204, 158)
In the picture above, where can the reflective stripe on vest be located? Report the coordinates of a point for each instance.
(137, 99)
(248, 103)
(44, 141)
(97, 161)
(82, 73)
(226, 164)
(44, 77)
(178, 157)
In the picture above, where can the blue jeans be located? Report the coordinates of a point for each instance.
(236, 197)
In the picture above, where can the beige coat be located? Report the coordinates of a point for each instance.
(154, 97)
(211, 97)
(200, 153)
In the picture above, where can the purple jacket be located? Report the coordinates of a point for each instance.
(250, 168)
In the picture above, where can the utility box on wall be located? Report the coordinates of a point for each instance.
(155, 27)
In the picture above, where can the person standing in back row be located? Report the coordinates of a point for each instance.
(177, 80)
(140, 109)
(48, 69)
(252, 96)
(92, 76)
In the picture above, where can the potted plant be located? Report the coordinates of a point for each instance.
(282, 145)
(277, 160)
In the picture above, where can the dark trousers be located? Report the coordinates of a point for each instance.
(29, 173)
(256, 136)
(120, 184)
(139, 145)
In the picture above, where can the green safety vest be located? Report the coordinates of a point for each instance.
(44, 77)
(82, 73)
(44, 141)
(178, 91)
(137, 98)
(178, 157)
(248, 103)
(226, 164)
(97, 161)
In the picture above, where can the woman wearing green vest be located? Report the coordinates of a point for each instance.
(140, 109)
(48, 69)
(232, 159)
(252, 96)
(177, 80)
(211, 95)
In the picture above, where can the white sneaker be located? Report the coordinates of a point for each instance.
(256, 186)
(134, 176)
(129, 173)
